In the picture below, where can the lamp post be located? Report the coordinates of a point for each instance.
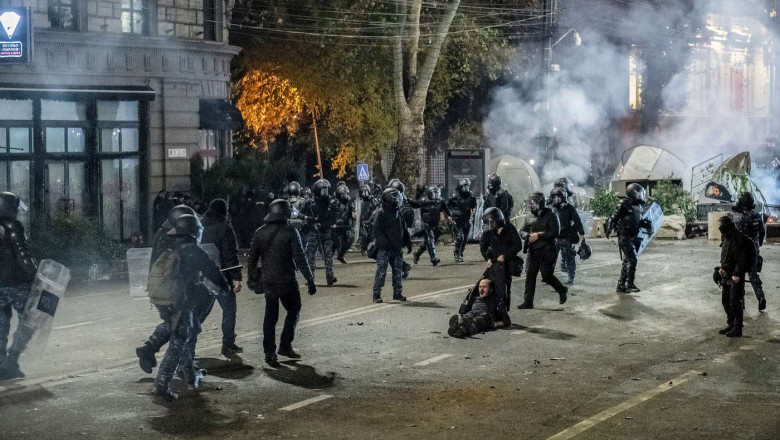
(546, 132)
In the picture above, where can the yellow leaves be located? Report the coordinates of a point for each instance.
(269, 104)
(344, 159)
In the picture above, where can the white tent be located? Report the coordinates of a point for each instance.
(646, 162)
(517, 176)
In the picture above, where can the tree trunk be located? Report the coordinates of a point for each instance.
(409, 150)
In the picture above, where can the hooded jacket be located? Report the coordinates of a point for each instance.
(218, 231)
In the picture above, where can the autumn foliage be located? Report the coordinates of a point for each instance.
(269, 104)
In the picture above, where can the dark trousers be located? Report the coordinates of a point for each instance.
(461, 236)
(13, 298)
(395, 260)
(227, 302)
(320, 240)
(501, 276)
(733, 300)
(364, 237)
(429, 241)
(342, 240)
(290, 297)
(474, 323)
(181, 321)
(628, 246)
(566, 249)
(541, 260)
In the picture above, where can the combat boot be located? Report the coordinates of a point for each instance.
(272, 360)
(454, 323)
(405, 270)
(165, 392)
(621, 288)
(526, 305)
(9, 368)
(416, 257)
(331, 280)
(231, 351)
(435, 261)
(631, 288)
(760, 297)
(289, 352)
(723, 331)
(735, 332)
(562, 295)
(146, 357)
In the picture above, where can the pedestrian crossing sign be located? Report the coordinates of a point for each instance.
(362, 172)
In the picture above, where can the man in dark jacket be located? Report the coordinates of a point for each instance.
(431, 208)
(752, 224)
(390, 236)
(487, 313)
(17, 272)
(368, 204)
(627, 221)
(572, 231)
(499, 246)
(498, 197)
(732, 269)
(343, 235)
(407, 214)
(218, 231)
(462, 205)
(541, 233)
(181, 316)
(277, 246)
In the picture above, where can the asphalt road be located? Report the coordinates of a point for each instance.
(649, 365)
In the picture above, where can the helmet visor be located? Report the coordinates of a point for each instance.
(23, 206)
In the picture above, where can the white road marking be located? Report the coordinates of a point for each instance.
(73, 325)
(303, 403)
(432, 360)
(628, 404)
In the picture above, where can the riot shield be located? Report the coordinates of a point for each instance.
(586, 217)
(653, 214)
(47, 289)
(138, 263)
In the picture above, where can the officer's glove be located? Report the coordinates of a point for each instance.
(312, 287)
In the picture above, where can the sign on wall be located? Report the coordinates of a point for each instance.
(468, 164)
(16, 36)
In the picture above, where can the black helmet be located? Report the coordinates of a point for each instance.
(294, 189)
(321, 188)
(464, 185)
(278, 211)
(365, 191)
(11, 205)
(178, 211)
(494, 181)
(392, 198)
(536, 202)
(584, 251)
(558, 196)
(565, 184)
(397, 184)
(342, 192)
(745, 201)
(433, 192)
(189, 225)
(492, 218)
(635, 193)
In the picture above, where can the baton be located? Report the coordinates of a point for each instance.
(240, 266)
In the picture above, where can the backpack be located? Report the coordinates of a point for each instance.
(166, 286)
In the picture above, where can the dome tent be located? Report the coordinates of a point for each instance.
(645, 164)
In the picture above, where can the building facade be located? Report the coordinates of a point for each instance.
(119, 94)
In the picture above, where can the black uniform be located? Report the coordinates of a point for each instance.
(390, 236)
(320, 215)
(430, 212)
(17, 272)
(343, 234)
(218, 231)
(500, 199)
(733, 263)
(542, 255)
(368, 205)
(752, 225)
(278, 248)
(627, 223)
(571, 230)
(461, 206)
(504, 240)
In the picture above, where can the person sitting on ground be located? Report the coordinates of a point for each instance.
(485, 313)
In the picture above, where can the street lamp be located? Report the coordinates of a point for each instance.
(546, 131)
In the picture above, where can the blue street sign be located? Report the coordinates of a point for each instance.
(362, 172)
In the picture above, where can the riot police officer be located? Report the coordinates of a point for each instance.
(498, 197)
(462, 205)
(390, 235)
(431, 208)
(343, 235)
(499, 245)
(17, 273)
(407, 213)
(752, 225)
(541, 233)
(571, 233)
(320, 215)
(627, 221)
(368, 204)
